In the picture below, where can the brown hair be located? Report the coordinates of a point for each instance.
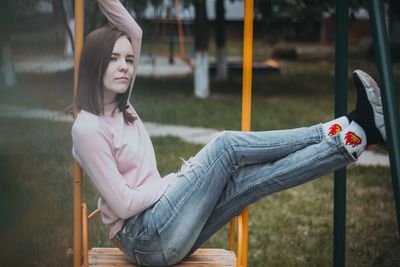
(95, 58)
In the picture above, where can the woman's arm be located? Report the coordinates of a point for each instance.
(92, 148)
(119, 17)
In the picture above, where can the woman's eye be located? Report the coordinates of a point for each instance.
(130, 61)
(113, 59)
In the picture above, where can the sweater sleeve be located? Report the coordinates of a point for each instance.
(119, 17)
(92, 148)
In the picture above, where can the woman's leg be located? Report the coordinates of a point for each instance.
(165, 233)
(169, 230)
(238, 193)
(253, 182)
(185, 208)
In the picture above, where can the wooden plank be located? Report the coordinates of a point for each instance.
(108, 257)
(106, 250)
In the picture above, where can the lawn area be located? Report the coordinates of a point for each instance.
(302, 94)
(291, 228)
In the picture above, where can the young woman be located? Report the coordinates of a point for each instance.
(159, 221)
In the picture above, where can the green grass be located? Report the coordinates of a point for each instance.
(302, 94)
(291, 228)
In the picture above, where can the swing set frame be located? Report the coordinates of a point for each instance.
(81, 217)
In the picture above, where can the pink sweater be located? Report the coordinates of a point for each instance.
(119, 158)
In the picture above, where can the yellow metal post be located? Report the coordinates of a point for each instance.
(246, 100)
(79, 17)
(247, 64)
(85, 235)
(245, 214)
(232, 235)
(77, 215)
(180, 29)
(240, 241)
(79, 20)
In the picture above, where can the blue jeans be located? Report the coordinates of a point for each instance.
(232, 171)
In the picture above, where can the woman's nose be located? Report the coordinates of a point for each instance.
(123, 66)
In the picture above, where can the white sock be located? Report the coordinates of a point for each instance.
(333, 127)
(354, 138)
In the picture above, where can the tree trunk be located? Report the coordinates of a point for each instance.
(7, 70)
(63, 14)
(201, 79)
(220, 40)
(69, 28)
(10, 78)
(69, 38)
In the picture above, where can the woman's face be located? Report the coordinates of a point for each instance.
(119, 71)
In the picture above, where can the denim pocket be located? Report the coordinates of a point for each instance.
(155, 258)
(140, 228)
(165, 257)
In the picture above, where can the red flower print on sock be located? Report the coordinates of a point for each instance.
(334, 129)
(352, 139)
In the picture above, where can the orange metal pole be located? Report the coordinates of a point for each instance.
(79, 20)
(245, 214)
(77, 215)
(79, 17)
(247, 65)
(85, 235)
(239, 259)
(246, 98)
(163, 31)
(232, 234)
(180, 29)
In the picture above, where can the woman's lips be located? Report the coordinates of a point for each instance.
(124, 79)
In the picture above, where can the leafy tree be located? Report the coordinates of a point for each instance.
(18, 7)
(285, 19)
(139, 6)
(394, 23)
(281, 18)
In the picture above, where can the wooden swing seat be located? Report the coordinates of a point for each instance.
(107, 257)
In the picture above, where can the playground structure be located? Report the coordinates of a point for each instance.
(227, 258)
(202, 257)
(163, 25)
(383, 61)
